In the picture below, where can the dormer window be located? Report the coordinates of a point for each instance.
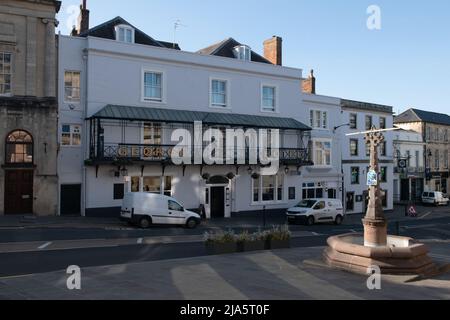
(125, 33)
(243, 52)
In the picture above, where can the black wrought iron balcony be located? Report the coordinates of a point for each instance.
(112, 153)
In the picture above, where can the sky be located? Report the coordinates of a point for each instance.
(404, 63)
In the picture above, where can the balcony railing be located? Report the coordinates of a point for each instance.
(163, 153)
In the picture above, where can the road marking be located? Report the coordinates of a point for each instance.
(420, 226)
(316, 234)
(139, 241)
(45, 245)
(426, 214)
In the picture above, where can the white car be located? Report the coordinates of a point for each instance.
(311, 211)
(145, 209)
(435, 197)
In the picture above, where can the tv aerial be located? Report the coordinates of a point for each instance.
(176, 26)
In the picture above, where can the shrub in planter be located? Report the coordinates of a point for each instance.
(220, 242)
(280, 237)
(250, 242)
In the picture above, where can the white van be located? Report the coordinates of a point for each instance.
(311, 211)
(145, 209)
(435, 197)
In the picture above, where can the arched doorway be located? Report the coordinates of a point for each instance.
(19, 172)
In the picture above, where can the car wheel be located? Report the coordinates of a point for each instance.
(310, 221)
(145, 222)
(191, 223)
(338, 220)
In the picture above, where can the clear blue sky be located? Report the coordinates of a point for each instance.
(405, 64)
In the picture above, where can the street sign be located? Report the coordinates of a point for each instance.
(372, 178)
(412, 211)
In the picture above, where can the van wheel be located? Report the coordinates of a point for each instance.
(145, 222)
(310, 221)
(338, 220)
(191, 223)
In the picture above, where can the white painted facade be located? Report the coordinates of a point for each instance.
(356, 190)
(409, 181)
(112, 73)
(325, 178)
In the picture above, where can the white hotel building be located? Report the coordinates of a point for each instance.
(358, 117)
(123, 93)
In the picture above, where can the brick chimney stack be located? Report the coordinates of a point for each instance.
(309, 85)
(273, 50)
(83, 18)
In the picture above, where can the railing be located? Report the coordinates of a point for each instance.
(163, 153)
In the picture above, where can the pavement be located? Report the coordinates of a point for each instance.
(290, 274)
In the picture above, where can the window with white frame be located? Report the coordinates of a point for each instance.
(70, 135)
(5, 73)
(151, 184)
(124, 33)
(268, 189)
(322, 152)
(353, 121)
(318, 119)
(269, 98)
(72, 86)
(153, 86)
(219, 93)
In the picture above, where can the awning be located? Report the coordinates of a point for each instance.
(116, 112)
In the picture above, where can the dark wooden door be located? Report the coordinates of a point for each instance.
(71, 199)
(19, 192)
(404, 192)
(217, 202)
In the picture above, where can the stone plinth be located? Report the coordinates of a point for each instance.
(401, 255)
(375, 232)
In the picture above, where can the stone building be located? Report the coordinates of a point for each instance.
(434, 128)
(28, 107)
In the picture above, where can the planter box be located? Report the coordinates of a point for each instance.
(220, 248)
(280, 244)
(251, 246)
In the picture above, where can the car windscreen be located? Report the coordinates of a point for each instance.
(306, 204)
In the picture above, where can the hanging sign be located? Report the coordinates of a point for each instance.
(372, 178)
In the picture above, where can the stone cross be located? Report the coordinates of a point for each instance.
(375, 225)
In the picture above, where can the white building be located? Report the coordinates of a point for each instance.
(359, 117)
(409, 169)
(123, 93)
(324, 179)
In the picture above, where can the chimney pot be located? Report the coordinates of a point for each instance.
(273, 50)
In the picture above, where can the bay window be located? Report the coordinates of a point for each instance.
(322, 153)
